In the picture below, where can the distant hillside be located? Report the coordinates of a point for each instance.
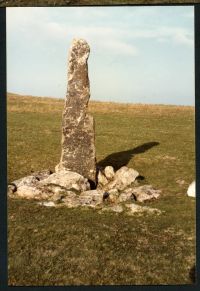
(8, 3)
(28, 103)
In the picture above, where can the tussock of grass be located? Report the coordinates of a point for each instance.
(49, 246)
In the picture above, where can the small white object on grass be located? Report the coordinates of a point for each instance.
(192, 189)
(47, 203)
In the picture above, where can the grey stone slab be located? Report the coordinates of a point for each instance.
(78, 134)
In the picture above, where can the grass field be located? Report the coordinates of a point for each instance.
(62, 246)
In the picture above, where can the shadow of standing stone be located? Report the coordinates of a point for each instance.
(120, 159)
(78, 137)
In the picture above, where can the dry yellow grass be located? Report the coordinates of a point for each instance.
(28, 103)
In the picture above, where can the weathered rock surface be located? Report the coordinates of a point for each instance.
(78, 138)
(113, 195)
(31, 180)
(67, 188)
(42, 174)
(54, 186)
(71, 200)
(123, 178)
(102, 180)
(30, 192)
(143, 193)
(26, 181)
(91, 198)
(24, 187)
(11, 189)
(126, 195)
(109, 172)
(126, 175)
(39, 192)
(68, 180)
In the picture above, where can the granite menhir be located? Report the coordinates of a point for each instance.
(78, 137)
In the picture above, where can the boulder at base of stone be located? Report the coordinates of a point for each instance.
(102, 180)
(191, 192)
(26, 181)
(54, 187)
(68, 180)
(123, 178)
(109, 172)
(29, 192)
(91, 198)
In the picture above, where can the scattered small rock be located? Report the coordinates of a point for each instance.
(11, 189)
(191, 192)
(123, 178)
(133, 208)
(109, 172)
(102, 180)
(113, 195)
(145, 193)
(47, 203)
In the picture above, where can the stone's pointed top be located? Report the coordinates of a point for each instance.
(80, 46)
(78, 55)
(79, 41)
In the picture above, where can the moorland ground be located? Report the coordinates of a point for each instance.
(61, 246)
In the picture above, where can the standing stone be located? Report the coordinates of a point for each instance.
(78, 138)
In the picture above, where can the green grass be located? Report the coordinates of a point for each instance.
(81, 247)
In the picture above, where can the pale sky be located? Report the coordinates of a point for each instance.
(138, 54)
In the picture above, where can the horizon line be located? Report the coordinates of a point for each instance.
(100, 101)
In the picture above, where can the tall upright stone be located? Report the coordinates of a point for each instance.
(78, 137)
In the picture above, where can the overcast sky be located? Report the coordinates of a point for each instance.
(138, 54)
